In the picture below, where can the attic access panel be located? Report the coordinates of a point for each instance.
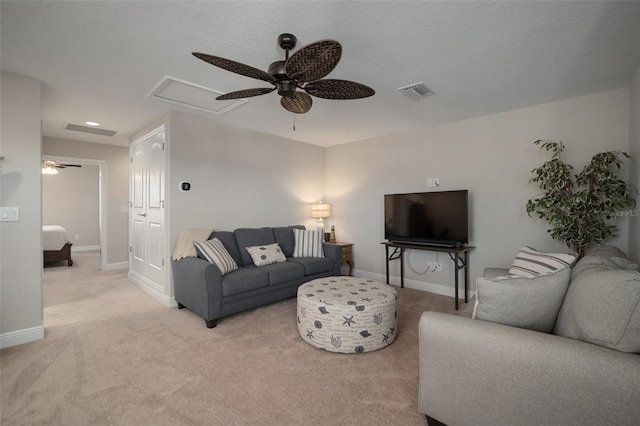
(193, 96)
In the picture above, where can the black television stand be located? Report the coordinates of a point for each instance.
(459, 256)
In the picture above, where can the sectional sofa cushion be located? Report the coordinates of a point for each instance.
(603, 307)
(244, 279)
(525, 302)
(228, 240)
(284, 237)
(313, 265)
(214, 251)
(283, 272)
(308, 243)
(249, 237)
(530, 262)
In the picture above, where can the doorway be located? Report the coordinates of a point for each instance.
(64, 208)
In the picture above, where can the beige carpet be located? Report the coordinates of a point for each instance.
(113, 355)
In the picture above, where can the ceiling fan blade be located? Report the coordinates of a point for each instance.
(314, 61)
(246, 93)
(236, 67)
(299, 104)
(338, 89)
(68, 165)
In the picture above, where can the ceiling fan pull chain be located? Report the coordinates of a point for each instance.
(294, 122)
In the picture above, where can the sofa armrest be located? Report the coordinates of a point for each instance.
(494, 272)
(334, 252)
(198, 286)
(475, 372)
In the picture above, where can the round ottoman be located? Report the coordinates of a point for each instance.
(347, 314)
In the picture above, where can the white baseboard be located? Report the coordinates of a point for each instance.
(150, 288)
(20, 337)
(418, 285)
(115, 266)
(84, 248)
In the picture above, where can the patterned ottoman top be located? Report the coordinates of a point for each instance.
(347, 291)
(347, 314)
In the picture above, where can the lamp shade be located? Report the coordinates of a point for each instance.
(320, 210)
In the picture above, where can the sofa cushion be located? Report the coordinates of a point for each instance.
(284, 237)
(244, 279)
(283, 272)
(525, 302)
(308, 243)
(313, 265)
(249, 237)
(530, 262)
(266, 254)
(602, 306)
(228, 240)
(213, 250)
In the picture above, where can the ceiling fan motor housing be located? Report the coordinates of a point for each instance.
(286, 86)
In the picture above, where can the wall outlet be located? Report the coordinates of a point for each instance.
(438, 266)
(433, 182)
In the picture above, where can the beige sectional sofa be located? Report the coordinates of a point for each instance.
(584, 371)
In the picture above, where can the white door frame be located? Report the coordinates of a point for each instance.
(102, 199)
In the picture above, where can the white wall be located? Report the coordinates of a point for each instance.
(239, 178)
(116, 159)
(71, 199)
(491, 156)
(21, 186)
(634, 150)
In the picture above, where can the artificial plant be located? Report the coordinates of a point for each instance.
(580, 208)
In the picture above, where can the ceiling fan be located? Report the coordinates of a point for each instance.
(304, 70)
(50, 167)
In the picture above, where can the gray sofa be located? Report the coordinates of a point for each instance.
(585, 372)
(200, 286)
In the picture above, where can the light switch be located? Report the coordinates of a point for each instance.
(10, 214)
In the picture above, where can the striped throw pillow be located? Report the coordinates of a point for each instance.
(308, 243)
(213, 250)
(530, 262)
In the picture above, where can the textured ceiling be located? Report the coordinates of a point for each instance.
(99, 60)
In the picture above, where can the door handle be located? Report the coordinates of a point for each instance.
(142, 214)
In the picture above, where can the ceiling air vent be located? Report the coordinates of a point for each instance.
(415, 91)
(86, 129)
(190, 95)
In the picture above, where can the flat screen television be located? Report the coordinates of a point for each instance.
(438, 218)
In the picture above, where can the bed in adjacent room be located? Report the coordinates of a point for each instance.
(56, 245)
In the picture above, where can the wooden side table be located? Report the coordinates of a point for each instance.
(347, 255)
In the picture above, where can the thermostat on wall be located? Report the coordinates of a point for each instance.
(185, 186)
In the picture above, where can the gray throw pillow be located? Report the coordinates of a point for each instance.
(525, 302)
(602, 306)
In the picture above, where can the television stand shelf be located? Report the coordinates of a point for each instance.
(459, 256)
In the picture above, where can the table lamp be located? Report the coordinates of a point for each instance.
(319, 211)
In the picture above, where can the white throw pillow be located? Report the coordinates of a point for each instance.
(214, 251)
(308, 243)
(530, 262)
(267, 254)
(525, 302)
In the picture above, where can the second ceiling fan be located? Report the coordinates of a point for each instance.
(304, 70)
